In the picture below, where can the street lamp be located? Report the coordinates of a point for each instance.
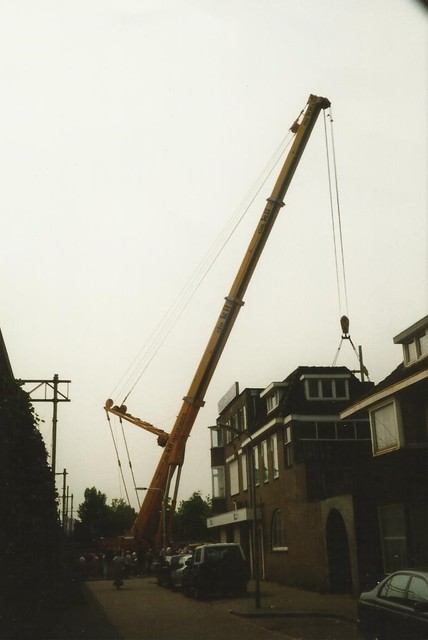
(253, 503)
(163, 511)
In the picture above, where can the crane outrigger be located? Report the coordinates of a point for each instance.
(149, 529)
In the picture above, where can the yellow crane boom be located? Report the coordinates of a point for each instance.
(148, 524)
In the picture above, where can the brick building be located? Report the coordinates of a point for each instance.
(338, 468)
(305, 461)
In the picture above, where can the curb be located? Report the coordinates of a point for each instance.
(291, 614)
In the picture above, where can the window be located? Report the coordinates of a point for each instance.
(278, 532)
(244, 473)
(256, 466)
(395, 589)
(217, 439)
(417, 348)
(423, 344)
(272, 401)
(418, 590)
(241, 419)
(288, 458)
(307, 431)
(412, 351)
(393, 537)
(234, 478)
(341, 388)
(265, 469)
(384, 425)
(326, 388)
(274, 455)
(217, 475)
(326, 430)
(273, 394)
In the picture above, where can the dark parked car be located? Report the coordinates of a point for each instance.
(397, 609)
(216, 569)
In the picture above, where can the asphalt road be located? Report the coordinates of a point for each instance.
(143, 611)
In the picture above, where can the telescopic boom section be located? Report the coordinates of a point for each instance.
(148, 524)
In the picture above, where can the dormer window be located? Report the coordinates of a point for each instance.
(272, 401)
(416, 349)
(325, 387)
(414, 341)
(273, 394)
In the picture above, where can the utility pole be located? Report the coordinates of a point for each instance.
(64, 478)
(49, 391)
(70, 527)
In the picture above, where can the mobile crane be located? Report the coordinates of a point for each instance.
(149, 527)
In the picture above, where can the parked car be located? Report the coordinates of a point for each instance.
(177, 571)
(397, 608)
(166, 569)
(216, 569)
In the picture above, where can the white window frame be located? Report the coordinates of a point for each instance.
(416, 348)
(397, 439)
(288, 451)
(234, 477)
(319, 380)
(274, 454)
(274, 533)
(244, 472)
(265, 464)
(272, 401)
(218, 482)
(256, 465)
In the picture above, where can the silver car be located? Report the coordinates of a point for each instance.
(397, 609)
(177, 571)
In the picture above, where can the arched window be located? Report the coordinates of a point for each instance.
(278, 532)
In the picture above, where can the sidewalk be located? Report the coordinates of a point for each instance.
(281, 601)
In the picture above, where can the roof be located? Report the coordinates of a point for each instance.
(412, 331)
(294, 400)
(402, 377)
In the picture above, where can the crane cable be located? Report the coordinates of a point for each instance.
(340, 270)
(119, 464)
(151, 347)
(129, 463)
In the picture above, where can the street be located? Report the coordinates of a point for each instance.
(143, 611)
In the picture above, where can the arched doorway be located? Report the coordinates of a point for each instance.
(339, 563)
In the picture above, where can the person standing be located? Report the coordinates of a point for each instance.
(118, 569)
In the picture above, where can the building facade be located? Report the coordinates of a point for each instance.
(284, 468)
(324, 478)
(398, 412)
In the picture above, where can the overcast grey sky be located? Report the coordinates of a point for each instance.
(131, 131)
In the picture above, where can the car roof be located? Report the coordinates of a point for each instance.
(222, 544)
(420, 571)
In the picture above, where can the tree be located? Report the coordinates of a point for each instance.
(122, 517)
(93, 516)
(98, 519)
(190, 522)
(31, 536)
